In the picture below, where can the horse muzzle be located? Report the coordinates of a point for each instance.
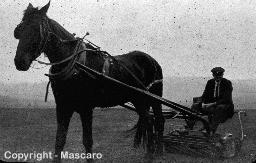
(22, 64)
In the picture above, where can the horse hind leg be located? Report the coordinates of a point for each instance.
(86, 118)
(144, 132)
(158, 127)
(63, 118)
(159, 121)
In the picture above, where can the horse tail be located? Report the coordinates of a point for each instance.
(139, 132)
(143, 128)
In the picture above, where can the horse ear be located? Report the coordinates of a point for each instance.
(44, 9)
(30, 6)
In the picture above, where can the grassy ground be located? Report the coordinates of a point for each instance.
(29, 130)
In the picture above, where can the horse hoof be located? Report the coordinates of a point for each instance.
(148, 157)
(159, 154)
(56, 161)
(160, 160)
(159, 151)
(90, 160)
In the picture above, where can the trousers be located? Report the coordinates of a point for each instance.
(216, 114)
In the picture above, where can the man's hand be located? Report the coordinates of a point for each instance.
(205, 106)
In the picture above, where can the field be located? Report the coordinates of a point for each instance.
(29, 130)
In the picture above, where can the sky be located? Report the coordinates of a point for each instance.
(187, 38)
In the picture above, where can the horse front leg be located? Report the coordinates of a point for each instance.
(86, 118)
(64, 115)
(157, 89)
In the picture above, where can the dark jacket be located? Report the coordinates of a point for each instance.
(225, 92)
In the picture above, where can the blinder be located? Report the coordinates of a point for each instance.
(43, 31)
(17, 31)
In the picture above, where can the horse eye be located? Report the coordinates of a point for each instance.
(18, 29)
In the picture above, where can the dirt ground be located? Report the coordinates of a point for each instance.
(33, 130)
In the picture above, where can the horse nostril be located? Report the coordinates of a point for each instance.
(22, 63)
(19, 64)
(16, 61)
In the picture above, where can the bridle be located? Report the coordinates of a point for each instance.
(44, 41)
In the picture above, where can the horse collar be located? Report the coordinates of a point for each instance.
(69, 70)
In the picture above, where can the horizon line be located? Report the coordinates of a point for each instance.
(164, 76)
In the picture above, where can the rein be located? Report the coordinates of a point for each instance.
(64, 60)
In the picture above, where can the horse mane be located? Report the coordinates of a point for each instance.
(90, 46)
(60, 31)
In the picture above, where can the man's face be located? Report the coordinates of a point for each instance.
(217, 77)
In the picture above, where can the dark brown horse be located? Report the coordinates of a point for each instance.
(75, 91)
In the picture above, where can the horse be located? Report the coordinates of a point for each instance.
(76, 91)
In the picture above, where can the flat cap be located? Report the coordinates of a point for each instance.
(217, 71)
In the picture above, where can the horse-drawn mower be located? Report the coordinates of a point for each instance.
(202, 142)
(199, 143)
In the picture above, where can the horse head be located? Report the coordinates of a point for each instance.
(30, 35)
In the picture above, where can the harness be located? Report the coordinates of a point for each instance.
(69, 70)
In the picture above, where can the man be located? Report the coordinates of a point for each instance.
(217, 99)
